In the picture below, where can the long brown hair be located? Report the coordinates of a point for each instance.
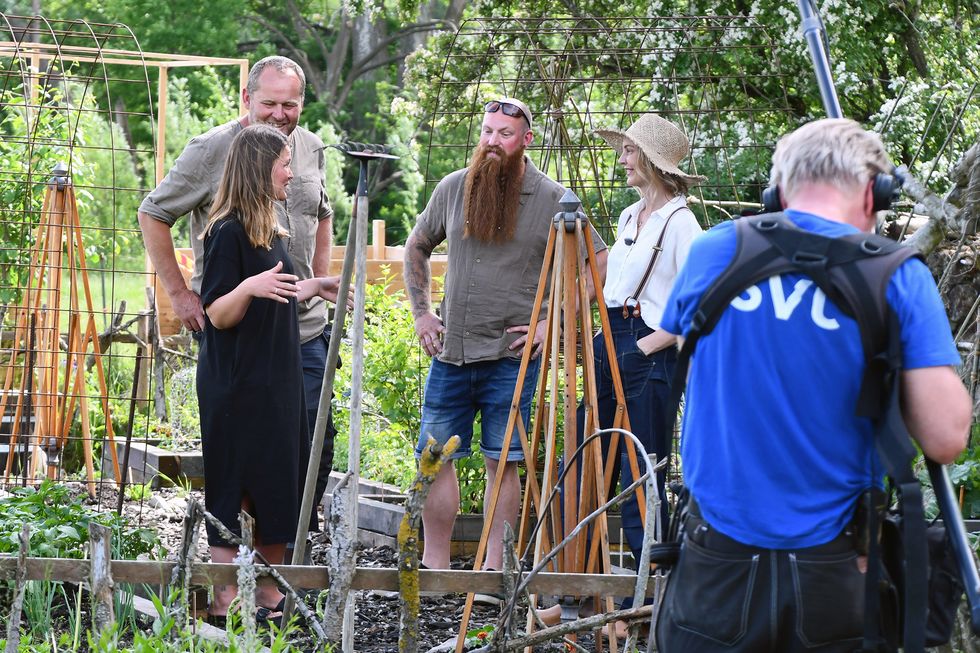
(246, 184)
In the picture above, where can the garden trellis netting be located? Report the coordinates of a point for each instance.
(82, 118)
(717, 77)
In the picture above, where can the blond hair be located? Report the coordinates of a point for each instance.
(246, 187)
(673, 184)
(833, 151)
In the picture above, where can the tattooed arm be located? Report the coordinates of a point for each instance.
(418, 278)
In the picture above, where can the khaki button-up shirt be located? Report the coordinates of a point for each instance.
(490, 286)
(190, 187)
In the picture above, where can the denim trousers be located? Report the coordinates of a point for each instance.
(725, 596)
(646, 386)
(314, 359)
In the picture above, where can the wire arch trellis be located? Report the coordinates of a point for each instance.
(717, 76)
(720, 77)
(83, 95)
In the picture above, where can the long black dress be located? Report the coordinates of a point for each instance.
(250, 391)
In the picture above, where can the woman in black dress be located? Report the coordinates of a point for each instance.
(249, 376)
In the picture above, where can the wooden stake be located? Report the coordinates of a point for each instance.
(100, 580)
(341, 556)
(20, 587)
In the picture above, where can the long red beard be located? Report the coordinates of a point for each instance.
(492, 194)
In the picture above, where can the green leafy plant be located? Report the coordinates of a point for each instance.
(394, 372)
(39, 598)
(182, 483)
(478, 636)
(59, 524)
(139, 491)
(965, 476)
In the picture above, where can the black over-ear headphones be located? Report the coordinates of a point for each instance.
(885, 189)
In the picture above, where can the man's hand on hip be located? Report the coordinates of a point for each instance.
(187, 306)
(540, 333)
(429, 329)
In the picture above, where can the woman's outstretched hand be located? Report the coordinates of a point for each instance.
(273, 284)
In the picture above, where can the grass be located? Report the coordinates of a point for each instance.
(108, 290)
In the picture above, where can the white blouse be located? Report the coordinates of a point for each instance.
(627, 263)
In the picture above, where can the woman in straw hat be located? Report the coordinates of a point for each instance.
(653, 238)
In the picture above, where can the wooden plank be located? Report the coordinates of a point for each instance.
(63, 52)
(378, 239)
(365, 578)
(168, 323)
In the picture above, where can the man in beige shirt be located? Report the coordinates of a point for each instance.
(274, 96)
(496, 216)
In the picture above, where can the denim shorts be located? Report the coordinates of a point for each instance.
(454, 394)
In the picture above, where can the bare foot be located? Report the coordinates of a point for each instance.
(550, 616)
(618, 629)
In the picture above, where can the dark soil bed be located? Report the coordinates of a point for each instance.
(376, 627)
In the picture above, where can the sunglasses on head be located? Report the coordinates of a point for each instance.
(512, 110)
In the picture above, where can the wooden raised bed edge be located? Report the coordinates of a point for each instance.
(157, 466)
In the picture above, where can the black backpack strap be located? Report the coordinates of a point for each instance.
(864, 284)
(771, 244)
(897, 453)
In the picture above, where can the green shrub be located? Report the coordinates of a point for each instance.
(59, 525)
(394, 371)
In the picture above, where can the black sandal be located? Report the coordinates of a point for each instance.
(262, 614)
(217, 620)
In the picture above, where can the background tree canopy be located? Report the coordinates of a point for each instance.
(375, 69)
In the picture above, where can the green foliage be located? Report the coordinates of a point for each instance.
(27, 164)
(108, 188)
(39, 599)
(139, 491)
(196, 103)
(965, 475)
(162, 635)
(472, 475)
(182, 26)
(737, 75)
(478, 636)
(335, 164)
(59, 524)
(394, 370)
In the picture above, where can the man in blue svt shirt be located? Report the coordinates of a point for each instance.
(774, 456)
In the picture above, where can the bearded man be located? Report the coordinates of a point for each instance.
(495, 216)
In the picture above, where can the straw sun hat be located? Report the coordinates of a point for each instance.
(663, 143)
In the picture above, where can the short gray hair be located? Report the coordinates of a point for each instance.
(834, 151)
(282, 64)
